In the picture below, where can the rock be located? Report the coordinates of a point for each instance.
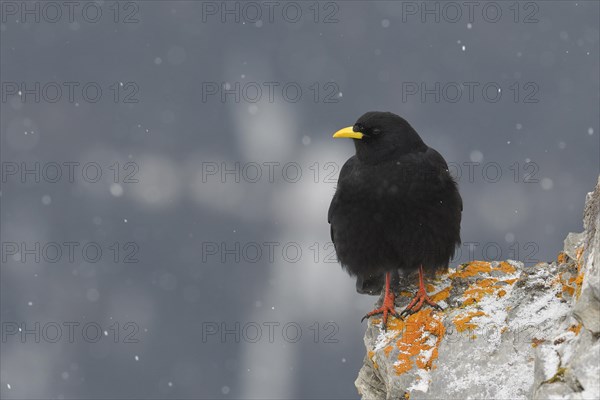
(573, 242)
(558, 391)
(587, 311)
(587, 308)
(506, 331)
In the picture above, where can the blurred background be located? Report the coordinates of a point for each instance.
(167, 168)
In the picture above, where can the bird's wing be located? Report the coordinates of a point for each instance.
(438, 161)
(332, 207)
(329, 213)
(343, 173)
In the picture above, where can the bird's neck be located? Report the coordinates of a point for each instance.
(369, 155)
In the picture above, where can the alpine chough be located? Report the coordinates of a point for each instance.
(396, 208)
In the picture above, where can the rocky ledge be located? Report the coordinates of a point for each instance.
(506, 332)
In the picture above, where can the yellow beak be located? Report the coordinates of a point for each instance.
(348, 133)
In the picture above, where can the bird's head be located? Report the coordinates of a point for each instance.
(378, 135)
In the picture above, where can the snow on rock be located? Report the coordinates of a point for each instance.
(507, 331)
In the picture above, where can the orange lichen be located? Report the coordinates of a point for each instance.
(485, 286)
(579, 282)
(429, 287)
(371, 355)
(477, 267)
(487, 282)
(463, 321)
(562, 257)
(471, 269)
(387, 350)
(505, 267)
(477, 290)
(575, 328)
(469, 301)
(414, 343)
(442, 294)
(406, 294)
(568, 289)
(536, 342)
(572, 285)
(579, 279)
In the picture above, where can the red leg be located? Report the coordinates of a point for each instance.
(420, 298)
(388, 303)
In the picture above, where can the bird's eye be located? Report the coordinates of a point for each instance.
(376, 131)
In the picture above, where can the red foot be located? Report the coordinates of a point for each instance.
(417, 302)
(386, 308)
(420, 298)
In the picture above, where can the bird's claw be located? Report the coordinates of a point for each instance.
(417, 302)
(386, 310)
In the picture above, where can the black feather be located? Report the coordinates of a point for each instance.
(396, 206)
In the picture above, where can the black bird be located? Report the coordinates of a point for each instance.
(396, 208)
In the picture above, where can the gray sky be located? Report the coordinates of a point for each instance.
(167, 169)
